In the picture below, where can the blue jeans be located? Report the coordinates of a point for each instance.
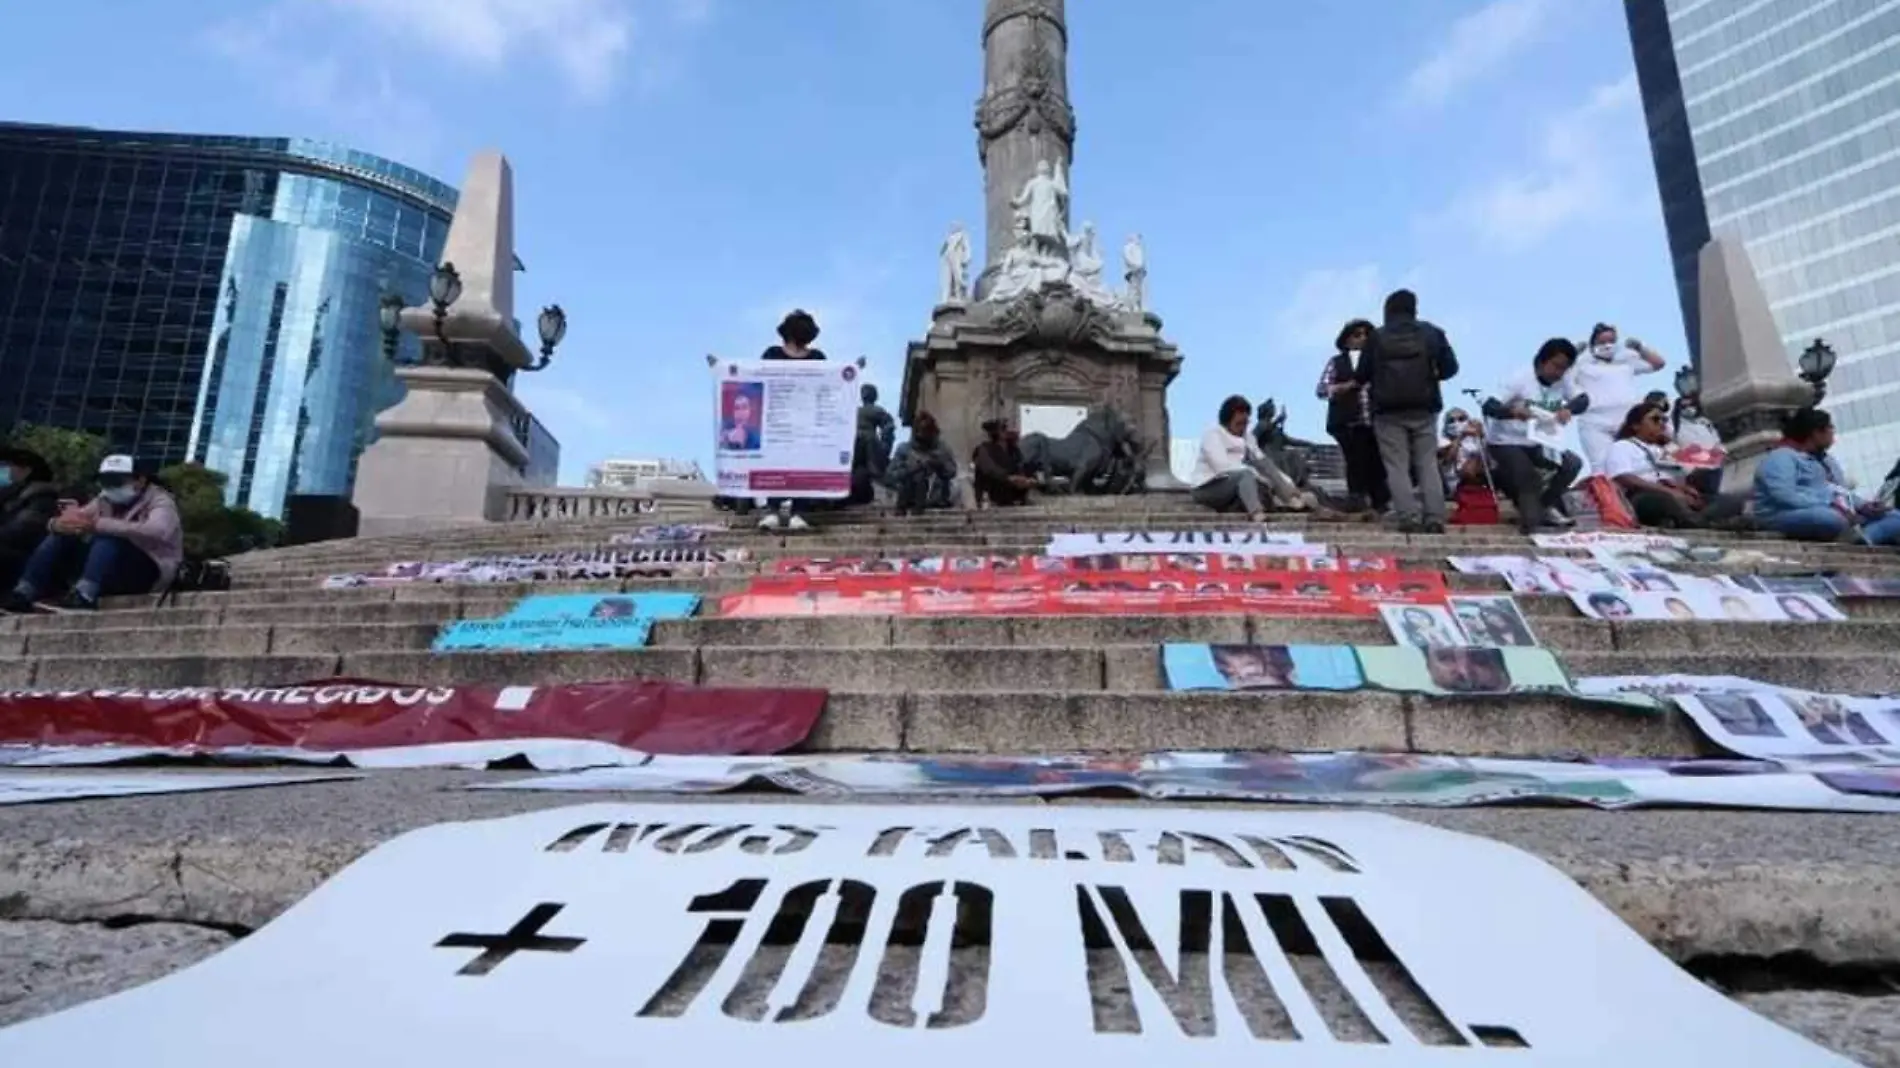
(106, 567)
(1827, 524)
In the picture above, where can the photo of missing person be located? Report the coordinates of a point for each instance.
(1738, 609)
(1852, 586)
(1609, 606)
(1678, 608)
(612, 608)
(741, 406)
(1420, 626)
(1831, 722)
(1653, 582)
(1255, 667)
(1740, 715)
(1806, 608)
(1493, 622)
(1468, 670)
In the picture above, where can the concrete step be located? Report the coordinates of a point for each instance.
(344, 635)
(1695, 884)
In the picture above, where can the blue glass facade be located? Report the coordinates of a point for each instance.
(1779, 121)
(209, 298)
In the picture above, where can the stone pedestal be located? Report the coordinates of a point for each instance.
(1748, 382)
(983, 361)
(447, 455)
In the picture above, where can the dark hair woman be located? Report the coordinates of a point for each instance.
(1349, 418)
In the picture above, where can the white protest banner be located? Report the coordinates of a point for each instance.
(1590, 539)
(1229, 542)
(932, 937)
(18, 788)
(1796, 726)
(784, 428)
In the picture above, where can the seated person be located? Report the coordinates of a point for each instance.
(998, 463)
(1461, 454)
(127, 540)
(28, 501)
(1536, 475)
(1797, 495)
(922, 472)
(1693, 430)
(1231, 473)
(1657, 492)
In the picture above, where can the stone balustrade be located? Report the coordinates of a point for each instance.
(542, 504)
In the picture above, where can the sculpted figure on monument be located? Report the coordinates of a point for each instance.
(953, 271)
(1021, 270)
(1135, 270)
(1102, 455)
(1044, 200)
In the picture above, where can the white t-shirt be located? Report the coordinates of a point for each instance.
(1698, 432)
(1525, 387)
(1220, 453)
(1631, 457)
(1610, 384)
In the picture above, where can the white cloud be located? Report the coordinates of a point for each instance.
(1325, 300)
(1477, 45)
(1584, 157)
(585, 39)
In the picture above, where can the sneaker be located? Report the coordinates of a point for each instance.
(798, 523)
(72, 602)
(16, 605)
(1432, 526)
(1554, 517)
(770, 522)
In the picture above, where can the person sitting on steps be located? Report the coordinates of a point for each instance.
(923, 471)
(1798, 496)
(128, 540)
(1536, 475)
(998, 464)
(1231, 473)
(1657, 493)
(28, 501)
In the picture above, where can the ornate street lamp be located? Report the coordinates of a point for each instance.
(1816, 363)
(390, 315)
(1688, 383)
(552, 325)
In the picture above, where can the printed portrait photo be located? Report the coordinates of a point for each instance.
(1807, 608)
(1831, 722)
(1421, 626)
(1492, 622)
(741, 416)
(1604, 605)
(1255, 667)
(1740, 715)
(1467, 670)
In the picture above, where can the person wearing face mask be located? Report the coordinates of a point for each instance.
(1349, 419)
(1607, 375)
(28, 501)
(127, 540)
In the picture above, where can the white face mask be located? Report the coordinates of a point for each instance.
(120, 494)
(1604, 352)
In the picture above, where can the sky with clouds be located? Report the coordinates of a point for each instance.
(688, 170)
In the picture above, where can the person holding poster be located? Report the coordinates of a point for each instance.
(1655, 490)
(1524, 417)
(745, 400)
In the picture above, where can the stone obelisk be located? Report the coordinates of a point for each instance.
(1024, 115)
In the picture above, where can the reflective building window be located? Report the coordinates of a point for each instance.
(1779, 121)
(209, 298)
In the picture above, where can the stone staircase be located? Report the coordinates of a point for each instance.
(1803, 900)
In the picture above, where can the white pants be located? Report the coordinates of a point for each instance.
(1596, 438)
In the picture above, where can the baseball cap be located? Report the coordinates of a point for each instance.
(118, 468)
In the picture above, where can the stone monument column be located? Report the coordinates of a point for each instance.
(448, 452)
(1747, 383)
(1024, 115)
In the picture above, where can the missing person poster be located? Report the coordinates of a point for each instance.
(1734, 606)
(784, 428)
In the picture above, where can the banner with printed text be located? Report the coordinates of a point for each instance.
(784, 428)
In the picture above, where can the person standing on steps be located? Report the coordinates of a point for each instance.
(1403, 364)
(1349, 419)
(796, 333)
(1543, 399)
(1607, 375)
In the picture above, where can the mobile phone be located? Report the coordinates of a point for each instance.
(67, 502)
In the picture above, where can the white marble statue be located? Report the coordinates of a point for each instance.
(1085, 260)
(1021, 269)
(1044, 201)
(1135, 270)
(953, 270)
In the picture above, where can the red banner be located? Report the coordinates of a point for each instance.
(347, 714)
(1221, 563)
(1085, 593)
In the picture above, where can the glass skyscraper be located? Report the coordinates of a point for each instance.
(209, 298)
(1778, 121)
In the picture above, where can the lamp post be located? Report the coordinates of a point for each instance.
(390, 316)
(1816, 363)
(445, 288)
(551, 324)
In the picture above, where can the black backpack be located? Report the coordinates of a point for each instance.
(197, 576)
(1406, 377)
